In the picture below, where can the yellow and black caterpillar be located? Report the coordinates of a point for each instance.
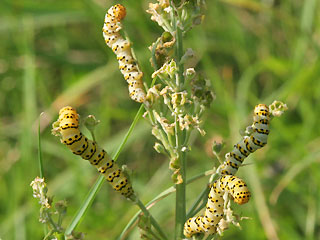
(257, 139)
(228, 182)
(121, 47)
(208, 223)
(67, 126)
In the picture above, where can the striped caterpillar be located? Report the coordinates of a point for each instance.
(214, 212)
(249, 144)
(67, 126)
(208, 223)
(121, 47)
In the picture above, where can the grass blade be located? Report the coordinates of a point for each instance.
(85, 205)
(39, 150)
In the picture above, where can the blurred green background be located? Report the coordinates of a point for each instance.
(52, 54)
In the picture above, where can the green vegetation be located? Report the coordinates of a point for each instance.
(52, 54)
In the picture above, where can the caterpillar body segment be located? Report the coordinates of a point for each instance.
(248, 144)
(236, 187)
(209, 222)
(68, 127)
(192, 226)
(110, 38)
(128, 66)
(137, 94)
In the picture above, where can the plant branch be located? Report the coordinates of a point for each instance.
(158, 198)
(194, 208)
(181, 198)
(152, 220)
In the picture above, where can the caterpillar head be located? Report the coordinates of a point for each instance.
(119, 11)
(68, 112)
(261, 108)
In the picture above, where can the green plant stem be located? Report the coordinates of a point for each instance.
(181, 199)
(152, 220)
(85, 205)
(60, 218)
(194, 208)
(40, 150)
(125, 139)
(93, 136)
(180, 188)
(154, 235)
(161, 196)
(179, 54)
(48, 234)
(53, 224)
(40, 163)
(164, 141)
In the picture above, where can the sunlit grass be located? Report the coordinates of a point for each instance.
(52, 54)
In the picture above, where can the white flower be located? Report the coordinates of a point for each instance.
(190, 72)
(277, 108)
(168, 9)
(39, 188)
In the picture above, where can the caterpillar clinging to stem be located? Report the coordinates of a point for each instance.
(249, 144)
(121, 47)
(208, 223)
(67, 126)
(256, 139)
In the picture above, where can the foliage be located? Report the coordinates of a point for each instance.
(250, 51)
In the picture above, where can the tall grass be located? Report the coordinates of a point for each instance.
(53, 54)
